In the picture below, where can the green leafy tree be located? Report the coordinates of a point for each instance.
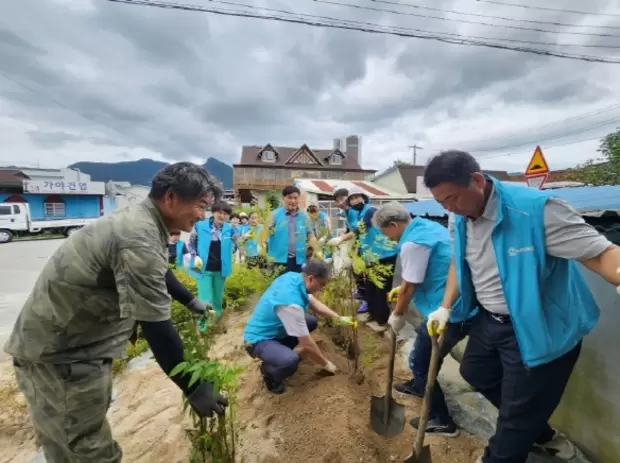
(604, 170)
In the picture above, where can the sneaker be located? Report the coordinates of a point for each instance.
(270, 384)
(559, 447)
(363, 308)
(408, 388)
(437, 428)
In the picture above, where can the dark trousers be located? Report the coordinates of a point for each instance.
(376, 297)
(420, 362)
(525, 397)
(291, 265)
(256, 261)
(279, 359)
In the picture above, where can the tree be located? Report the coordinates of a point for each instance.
(604, 170)
(398, 162)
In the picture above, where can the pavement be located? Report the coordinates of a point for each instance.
(21, 263)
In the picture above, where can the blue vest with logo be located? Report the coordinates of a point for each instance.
(264, 324)
(372, 240)
(251, 244)
(428, 295)
(550, 304)
(278, 240)
(203, 232)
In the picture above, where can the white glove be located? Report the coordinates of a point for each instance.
(335, 242)
(330, 368)
(322, 240)
(397, 322)
(437, 321)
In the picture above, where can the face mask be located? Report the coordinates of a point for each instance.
(358, 207)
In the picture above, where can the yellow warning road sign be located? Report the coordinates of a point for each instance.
(538, 164)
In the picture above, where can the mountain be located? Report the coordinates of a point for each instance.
(141, 172)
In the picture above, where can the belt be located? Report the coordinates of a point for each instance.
(499, 318)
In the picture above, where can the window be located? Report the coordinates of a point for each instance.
(5, 210)
(335, 159)
(16, 209)
(269, 156)
(54, 207)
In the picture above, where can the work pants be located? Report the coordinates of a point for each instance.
(68, 405)
(279, 359)
(525, 397)
(420, 362)
(290, 265)
(376, 297)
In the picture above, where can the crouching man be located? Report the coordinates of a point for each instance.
(425, 256)
(278, 332)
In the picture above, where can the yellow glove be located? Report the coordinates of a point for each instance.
(350, 321)
(393, 295)
(318, 255)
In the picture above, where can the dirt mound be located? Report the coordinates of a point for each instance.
(325, 419)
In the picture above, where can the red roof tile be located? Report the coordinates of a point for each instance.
(369, 189)
(323, 186)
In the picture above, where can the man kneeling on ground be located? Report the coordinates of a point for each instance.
(278, 332)
(425, 256)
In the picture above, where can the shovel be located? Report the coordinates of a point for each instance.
(387, 417)
(422, 453)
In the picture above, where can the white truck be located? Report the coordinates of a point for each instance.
(16, 221)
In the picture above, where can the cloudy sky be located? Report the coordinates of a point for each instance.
(91, 80)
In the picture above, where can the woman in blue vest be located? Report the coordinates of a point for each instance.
(425, 255)
(376, 249)
(321, 225)
(252, 246)
(280, 322)
(516, 255)
(290, 233)
(176, 249)
(213, 240)
(350, 217)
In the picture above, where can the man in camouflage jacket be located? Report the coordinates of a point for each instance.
(90, 295)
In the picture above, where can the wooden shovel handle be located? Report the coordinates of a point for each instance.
(430, 384)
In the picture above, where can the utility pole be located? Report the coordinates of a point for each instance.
(415, 149)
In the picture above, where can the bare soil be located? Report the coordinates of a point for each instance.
(318, 419)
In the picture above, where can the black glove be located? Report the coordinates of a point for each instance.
(199, 307)
(205, 402)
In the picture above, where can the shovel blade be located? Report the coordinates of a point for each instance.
(396, 419)
(423, 457)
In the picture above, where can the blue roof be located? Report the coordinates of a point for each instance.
(584, 199)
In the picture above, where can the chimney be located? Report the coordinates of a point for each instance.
(353, 148)
(338, 144)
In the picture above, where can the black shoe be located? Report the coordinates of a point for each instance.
(408, 388)
(270, 384)
(437, 427)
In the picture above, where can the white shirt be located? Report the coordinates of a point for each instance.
(293, 318)
(414, 261)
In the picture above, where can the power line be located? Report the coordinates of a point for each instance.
(375, 29)
(557, 145)
(545, 126)
(502, 18)
(542, 8)
(463, 21)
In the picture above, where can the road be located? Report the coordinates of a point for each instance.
(20, 264)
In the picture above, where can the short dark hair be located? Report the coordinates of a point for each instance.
(451, 166)
(289, 190)
(175, 233)
(312, 208)
(341, 192)
(221, 206)
(186, 180)
(316, 268)
(234, 215)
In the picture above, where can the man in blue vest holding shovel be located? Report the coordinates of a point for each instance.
(425, 255)
(515, 253)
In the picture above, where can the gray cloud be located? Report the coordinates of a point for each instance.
(180, 84)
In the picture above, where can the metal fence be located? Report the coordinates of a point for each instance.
(338, 222)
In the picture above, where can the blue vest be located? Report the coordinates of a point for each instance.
(264, 324)
(278, 240)
(251, 244)
(350, 217)
(372, 240)
(428, 295)
(242, 228)
(203, 232)
(319, 226)
(549, 301)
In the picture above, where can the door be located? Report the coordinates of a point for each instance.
(14, 216)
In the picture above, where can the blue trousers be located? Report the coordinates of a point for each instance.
(420, 360)
(279, 359)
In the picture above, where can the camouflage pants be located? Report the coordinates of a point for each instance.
(68, 405)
